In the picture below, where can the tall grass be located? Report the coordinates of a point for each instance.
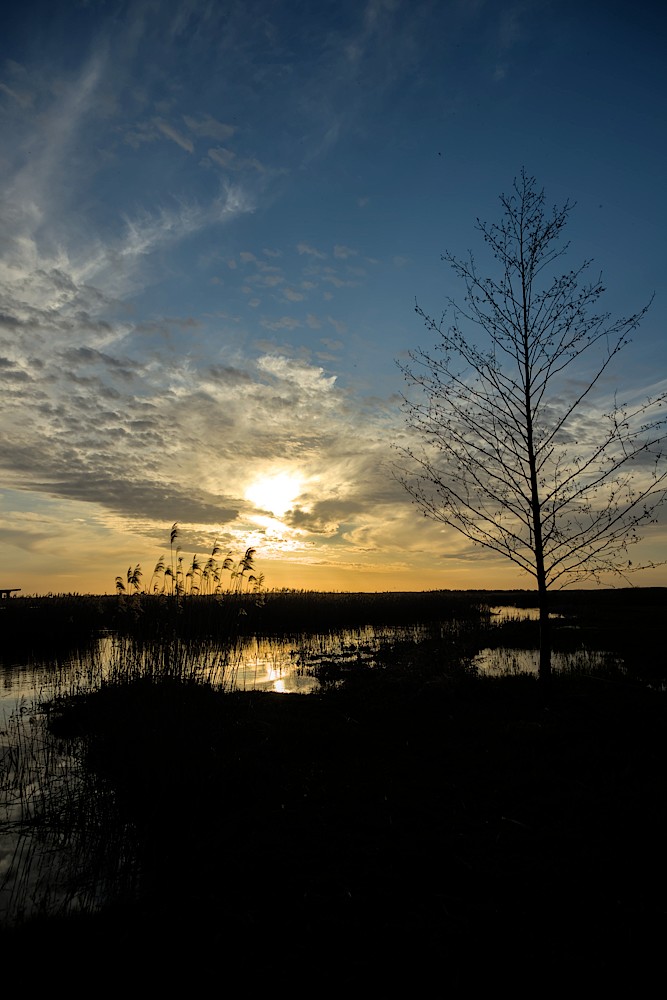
(148, 653)
(217, 575)
(68, 849)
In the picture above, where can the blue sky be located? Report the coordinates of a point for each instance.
(216, 218)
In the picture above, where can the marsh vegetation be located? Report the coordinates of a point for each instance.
(159, 793)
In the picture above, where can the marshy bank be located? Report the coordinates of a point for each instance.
(414, 813)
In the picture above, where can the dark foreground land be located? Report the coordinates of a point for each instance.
(417, 825)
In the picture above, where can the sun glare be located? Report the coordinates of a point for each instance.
(275, 494)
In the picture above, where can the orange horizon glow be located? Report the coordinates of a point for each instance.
(281, 574)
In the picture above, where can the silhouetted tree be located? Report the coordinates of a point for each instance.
(520, 446)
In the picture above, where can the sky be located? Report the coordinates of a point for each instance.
(216, 220)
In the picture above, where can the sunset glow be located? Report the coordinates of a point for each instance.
(217, 220)
(274, 493)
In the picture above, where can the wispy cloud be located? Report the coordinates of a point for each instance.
(172, 133)
(205, 126)
(48, 130)
(338, 325)
(159, 347)
(22, 97)
(223, 157)
(343, 252)
(284, 323)
(510, 32)
(229, 160)
(306, 248)
(149, 231)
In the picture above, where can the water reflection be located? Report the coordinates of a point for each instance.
(265, 663)
(508, 613)
(41, 868)
(37, 862)
(286, 664)
(499, 661)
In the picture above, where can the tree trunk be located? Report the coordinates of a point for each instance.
(545, 637)
(535, 502)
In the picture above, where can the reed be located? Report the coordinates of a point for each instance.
(199, 578)
(70, 852)
(145, 682)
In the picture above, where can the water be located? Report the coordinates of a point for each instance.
(503, 662)
(289, 664)
(282, 664)
(45, 808)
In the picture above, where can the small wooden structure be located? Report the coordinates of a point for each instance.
(6, 592)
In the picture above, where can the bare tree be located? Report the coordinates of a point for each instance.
(520, 445)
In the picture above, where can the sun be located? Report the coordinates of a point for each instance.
(275, 493)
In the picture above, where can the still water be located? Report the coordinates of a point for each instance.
(285, 664)
(44, 807)
(42, 867)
